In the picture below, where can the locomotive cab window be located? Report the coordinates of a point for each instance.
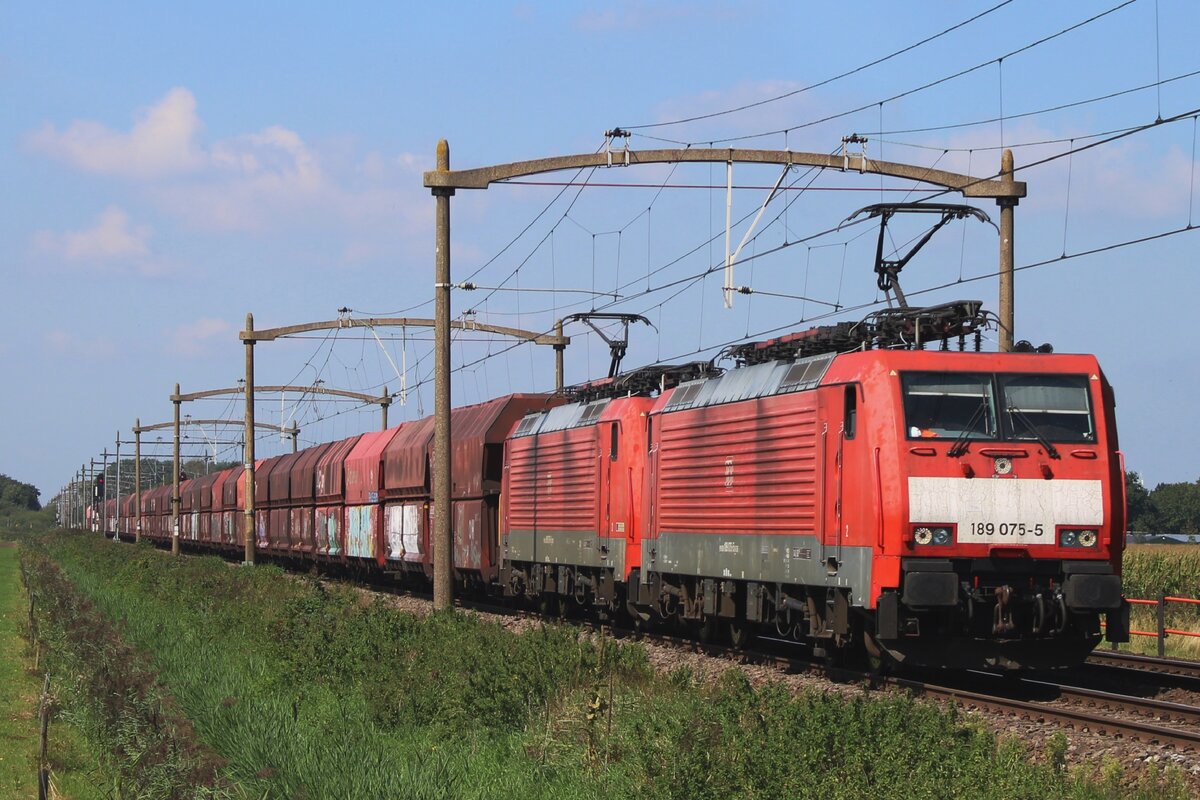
(1054, 407)
(949, 404)
(850, 423)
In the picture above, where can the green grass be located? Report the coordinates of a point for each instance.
(16, 524)
(312, 692)
(75, 772)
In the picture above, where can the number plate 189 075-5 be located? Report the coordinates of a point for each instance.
(1017, 532)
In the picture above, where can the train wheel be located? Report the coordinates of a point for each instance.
(740, 634)
(875, 657)
(548, 605)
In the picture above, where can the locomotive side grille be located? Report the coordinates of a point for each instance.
(748, 468)
(552, 484)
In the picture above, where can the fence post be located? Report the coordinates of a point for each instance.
(1162, 624)
(44, 719)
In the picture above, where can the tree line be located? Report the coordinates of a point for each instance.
(1168, 508)
(15, 494)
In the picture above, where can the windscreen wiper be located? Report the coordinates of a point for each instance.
(960, 444)
(1019, 415)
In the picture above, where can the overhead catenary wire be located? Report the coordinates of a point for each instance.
(690, 278)
(918, 292)
(1186, 115)
(1068, 153)
(566, 216)
(927, 85)
(1192, 114)
(826, 81)
(1037, 112)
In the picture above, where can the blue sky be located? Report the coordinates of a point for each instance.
(169, 167)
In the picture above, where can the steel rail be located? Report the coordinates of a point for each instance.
(1174, 672)
(1076, 715)
(1079, 719)
(1169, 666)
(1094, 698)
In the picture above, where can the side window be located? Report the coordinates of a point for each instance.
(612, 447)
(851, 412)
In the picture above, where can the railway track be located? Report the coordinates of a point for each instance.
(1146, 720)
(1083, 709)
(1142, 719)
(1171, 671)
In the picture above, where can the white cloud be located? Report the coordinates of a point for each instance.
(252, 181)
(161, 142)
(195, 339)
(111, 238)
(1131, 179)
(261, 182)
(64, 343)
(274, 180)
(113, 244)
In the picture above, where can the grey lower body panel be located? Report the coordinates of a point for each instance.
(766, 558)
(578, 548)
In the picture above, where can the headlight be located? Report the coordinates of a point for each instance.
(939, 535)
(1086, 537)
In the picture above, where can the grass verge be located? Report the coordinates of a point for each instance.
(109, 692)
(74, 770)
(312, 692)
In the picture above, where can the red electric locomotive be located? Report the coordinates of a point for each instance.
(951, 509)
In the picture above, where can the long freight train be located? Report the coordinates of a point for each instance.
(929, 507)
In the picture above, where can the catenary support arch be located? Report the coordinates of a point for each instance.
(443, 182)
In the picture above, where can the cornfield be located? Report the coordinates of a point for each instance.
(1173, 570)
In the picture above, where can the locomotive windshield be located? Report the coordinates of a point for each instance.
(1055, 406)
(1033, 407)
(949, 404)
